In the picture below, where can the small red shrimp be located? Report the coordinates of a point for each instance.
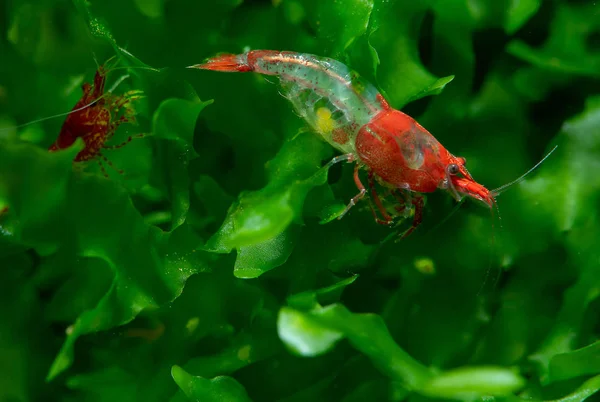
(94, 119)
(351, 115)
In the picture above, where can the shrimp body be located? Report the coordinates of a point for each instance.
(89, 120)
(351, 115)
(95, 118)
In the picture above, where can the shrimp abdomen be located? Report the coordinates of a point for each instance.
(332, 98)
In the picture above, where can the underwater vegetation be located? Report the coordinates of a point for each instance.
(181, 240)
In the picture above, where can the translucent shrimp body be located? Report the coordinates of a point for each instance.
(334, 100)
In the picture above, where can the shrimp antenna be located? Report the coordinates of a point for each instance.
(95, 59)
(114, 86)
(119, 81)
(493, 248)
(54, 116)
(447, 217)
(145, 67)
(503, 188)
(157, 70)
(495, 193)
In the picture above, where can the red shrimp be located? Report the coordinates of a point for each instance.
(351, 115)
(94, 119)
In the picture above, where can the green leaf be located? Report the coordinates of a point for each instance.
(175, 120)
(341, 23)
(401, 74)
(580, 362)
(566, 50)
(472, 382)
(151, 8)
(518, 12)
(311, 298)
(96, 26)
(113, 382)
(221, 388)
(314, 332)
(433, 89)
(23, 354)
(304, 336)
(253, 219)
(570, 214)
(253, 261)
(246, 349)
(256, 224)
(587, 389)
(144, 277)
(331, 212)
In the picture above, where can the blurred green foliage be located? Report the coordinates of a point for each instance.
(214, 268)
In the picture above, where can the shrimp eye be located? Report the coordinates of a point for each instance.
(453, 168)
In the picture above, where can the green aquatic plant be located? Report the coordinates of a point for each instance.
(214, 269)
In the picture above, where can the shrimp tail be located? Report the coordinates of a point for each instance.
(227, 63)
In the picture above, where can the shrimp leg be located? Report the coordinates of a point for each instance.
(387, 219)
(357, 197)
(402, 201)
(124, 101)
(127, 141)
(341, 158)
(418, 202)
(349, 158)
(109, 163)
